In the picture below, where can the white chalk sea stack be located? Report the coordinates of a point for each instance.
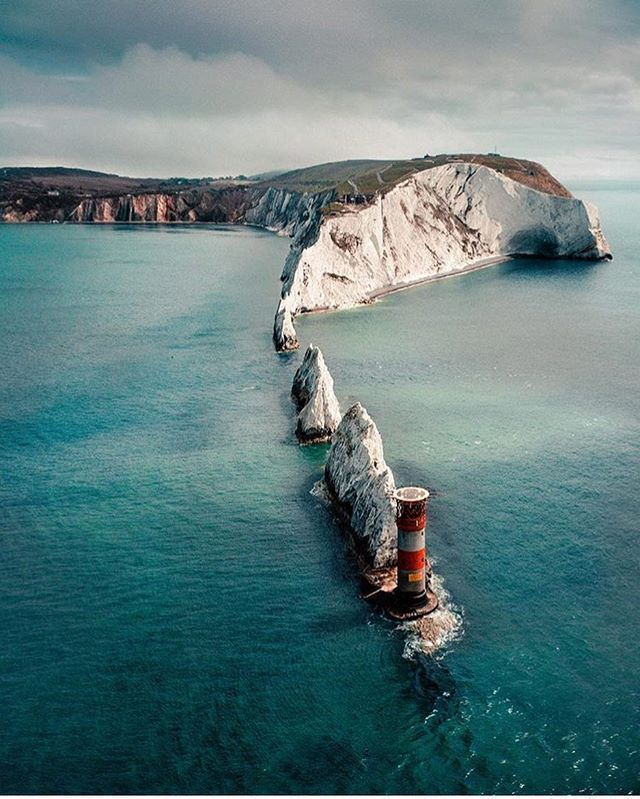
(360, 480)
(284, 333)
(437, 222)
(312, 390)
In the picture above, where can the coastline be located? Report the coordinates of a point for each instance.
(379, 294)
(472, 267)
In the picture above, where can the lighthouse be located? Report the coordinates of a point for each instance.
(413, 596)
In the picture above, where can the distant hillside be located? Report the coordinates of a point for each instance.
(97, 183)
(17, 172)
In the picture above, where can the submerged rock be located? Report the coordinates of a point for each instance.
(362, 483)
(312, 391)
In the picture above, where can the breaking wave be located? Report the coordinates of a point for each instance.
(431, 633)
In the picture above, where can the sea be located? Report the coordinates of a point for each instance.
(180, 614)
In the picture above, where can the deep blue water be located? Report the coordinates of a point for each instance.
(179, 614)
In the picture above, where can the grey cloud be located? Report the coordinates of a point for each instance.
(206, 87)
(371, 39)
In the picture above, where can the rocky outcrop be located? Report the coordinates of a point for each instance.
(284, 332)
(312, 391)
(363, 485)
(437, 222)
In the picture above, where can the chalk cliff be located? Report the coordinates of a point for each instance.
(219, 206)
(312, 391)
(437, 222)
(362, 483)
(286, 212)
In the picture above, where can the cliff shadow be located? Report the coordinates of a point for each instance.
(542, 266)
(541, 242)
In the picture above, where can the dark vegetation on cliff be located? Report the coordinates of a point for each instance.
(46, 194)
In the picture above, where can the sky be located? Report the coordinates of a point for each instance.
(223, 87)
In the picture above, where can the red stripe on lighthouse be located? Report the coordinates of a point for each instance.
(411, 561)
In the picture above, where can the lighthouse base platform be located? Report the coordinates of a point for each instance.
(398, 610)
(379, 587)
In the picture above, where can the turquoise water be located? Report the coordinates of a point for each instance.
(179, 614)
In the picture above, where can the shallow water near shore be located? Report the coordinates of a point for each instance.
(179, 611)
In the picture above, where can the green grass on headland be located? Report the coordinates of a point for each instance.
(370, 176)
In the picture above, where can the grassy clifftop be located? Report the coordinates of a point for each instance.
(369, 176)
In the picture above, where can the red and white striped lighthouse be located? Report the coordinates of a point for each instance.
(412, 552)
(409, 596)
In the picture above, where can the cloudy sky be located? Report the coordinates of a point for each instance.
(216, 87)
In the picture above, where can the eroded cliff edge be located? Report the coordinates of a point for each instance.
(438, 222)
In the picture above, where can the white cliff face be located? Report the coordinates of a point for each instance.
(298, 216)
(312, 391)
(439, 221)
(361, 481)
(286, 212)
